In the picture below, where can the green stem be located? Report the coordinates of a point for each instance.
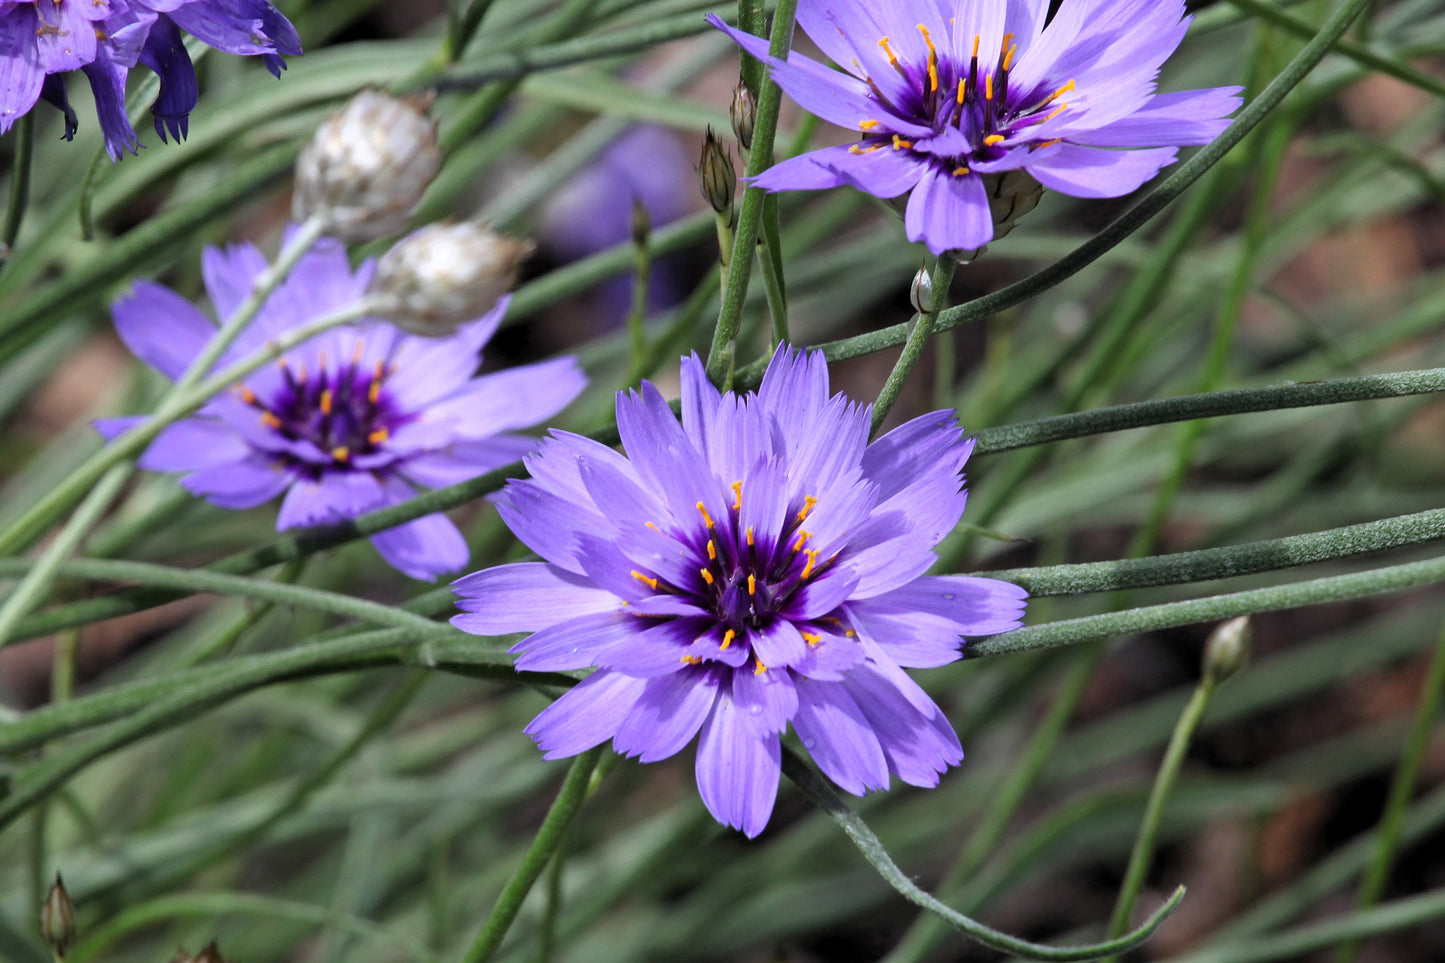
(1353, 49)
(1211, 405)
(922, 330)
(34, 520)
(19, 184)
(826, 798)
(1144, 844)
(721, 356)
(1215, 608)
(464, 28)
(544, 845)
(770, 254)
(1122, 227)
(642, 273)
(1292, 944)
(1402, 788)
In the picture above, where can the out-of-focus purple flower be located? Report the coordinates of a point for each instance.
(106, 38)
(758, 565)
(350, 421)
(947, 94)
(593, 211)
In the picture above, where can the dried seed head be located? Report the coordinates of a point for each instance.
(1228, 648)
(444, 275)
(744, 114)
(920, 293)
(367, 166)
(716, 175)
(57, 919)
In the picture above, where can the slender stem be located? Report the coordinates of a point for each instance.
(723, 221)
(544, 845)
(37, 581)
(1402, 788)
(721, 357)
(1122, 227)
(1215, 608)
(19, 185)
(826, 798)
(641, 278)
(1143, 853)
(1353, 49)
(922, 330)
(464, 28)
(770, 254)
(1212, 405)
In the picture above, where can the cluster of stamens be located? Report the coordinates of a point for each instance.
(744, 583)
(977, 105)
(344, 412)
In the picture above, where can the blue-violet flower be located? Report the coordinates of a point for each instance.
(40, 41)
(348, 422)
(758, 565)
(950, 96)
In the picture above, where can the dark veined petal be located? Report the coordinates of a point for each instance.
(165, 53)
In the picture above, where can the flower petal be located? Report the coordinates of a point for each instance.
(240, 484)
(668, 713)
(1091, 172)
(949, 212)
(838, 736)
(525, 597)
(737, 769)
(585, 716)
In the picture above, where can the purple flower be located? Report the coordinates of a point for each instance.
(948, 94)
(350, 421)
(757, 565)
(106, 38)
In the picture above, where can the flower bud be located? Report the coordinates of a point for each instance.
(57, 919)
(920, 294)
(1228, 648)
(641, 223)
(744, 114)
(444, 275)
(715, 174)
(367, 166)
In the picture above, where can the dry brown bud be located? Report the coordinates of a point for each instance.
(744, 114)
(57, 919)
(716, 175)
(444, 275)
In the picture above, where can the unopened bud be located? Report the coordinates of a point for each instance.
(641, 223)
(1228, 648)
(57, 919)
(211, 954)
(744, 114)
(920, 293)
(715, 174)
(444, 275)
(367, 166)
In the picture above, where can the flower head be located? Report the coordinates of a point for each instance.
(949, 95)
(441, 275)
(757, 566)
(39, 41)
(348, 422)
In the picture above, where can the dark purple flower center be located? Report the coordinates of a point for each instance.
(747, 578)
(345, 412)
(976, 99)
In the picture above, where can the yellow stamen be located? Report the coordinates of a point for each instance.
(761, 668)
(899, 143)
(892, 57)
(1048, 143)
(379, 435)
(247, 395)
(802, 537)
(962, 90)
(706, 576)
(867, 124)
(812, 638)
(988, 86)
(850, 634)
(326, 401)
(750, 536)
(932, 59)
(711, 550)
(855, 149)
(356, 353)
(705, 516)
(728, 637)
(692, 660)
(808, 503)
(737, 488)
(1057, 94)
(812, 560)
(341, 453)
(752, 585)
(992, 139)
(651, 526)
(977, 39)
(960, 171)
(645, 580)
(1008, 40)
(1060, 110)
(1008, 58)
(270, 420)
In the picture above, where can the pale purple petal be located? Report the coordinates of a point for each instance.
(242, 484)
(737, 769)
(1190, 117)
(839, 737)
(525, 597)
(949, 212)
(585, 716)
(193, 444)
(161, 328)
(668, 713)
(1092, 172)
(576, 643)
(427, 548)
